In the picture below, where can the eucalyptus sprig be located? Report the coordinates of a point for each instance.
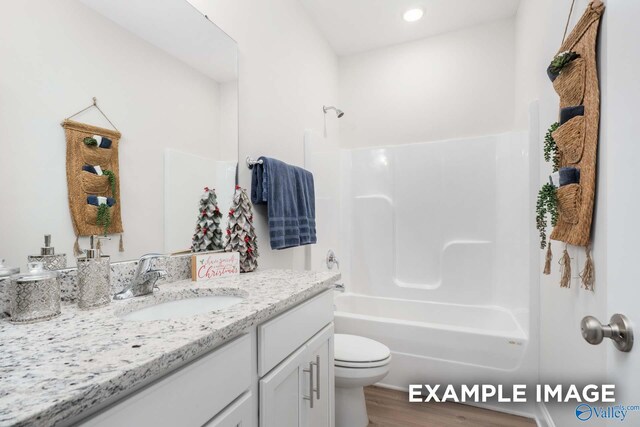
(551, 148)
(104, 217)
(112, 180)
(546, 205)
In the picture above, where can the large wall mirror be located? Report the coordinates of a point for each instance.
(163, 74)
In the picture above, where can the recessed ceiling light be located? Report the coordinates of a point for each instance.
(413, 15)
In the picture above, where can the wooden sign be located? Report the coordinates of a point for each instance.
(213, 265)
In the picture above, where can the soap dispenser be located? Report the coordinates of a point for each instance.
(94, 277)
(48, 257)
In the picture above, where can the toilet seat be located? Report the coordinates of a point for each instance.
(352, 351)
(362, 365)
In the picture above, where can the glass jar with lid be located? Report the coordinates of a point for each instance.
(35, 295)
(5, 282)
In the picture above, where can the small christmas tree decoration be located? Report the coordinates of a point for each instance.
(241, 236)
(208, 235)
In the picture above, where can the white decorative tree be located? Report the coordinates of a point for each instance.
(241, 236)
(208, 235)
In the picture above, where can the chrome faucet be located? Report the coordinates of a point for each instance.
(332, 260)
(145, 278)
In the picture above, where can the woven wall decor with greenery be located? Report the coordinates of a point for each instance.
(572, 144)
(89, 219)
(574, 72)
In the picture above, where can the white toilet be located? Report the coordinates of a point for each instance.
(359, 362)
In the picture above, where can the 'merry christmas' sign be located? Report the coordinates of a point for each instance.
(211, 266)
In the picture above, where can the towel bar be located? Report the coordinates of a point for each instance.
(251, 162)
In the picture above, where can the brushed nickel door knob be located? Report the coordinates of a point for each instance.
(619, 330)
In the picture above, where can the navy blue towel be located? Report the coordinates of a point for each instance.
(105, 143)
(569, 175)
(288, 192)
(90, 169)
(569, 113)
(93, 200)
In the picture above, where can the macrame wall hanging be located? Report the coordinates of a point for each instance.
(572, 142)
(93, 178)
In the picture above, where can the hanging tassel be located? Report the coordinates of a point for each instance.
(121, 247)
(565, 269)
(587, 274)
(99, 245)
(549, 257)
(76, 247)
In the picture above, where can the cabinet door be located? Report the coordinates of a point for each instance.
(281, 394)
(320, 361)
(188, 397)
(238, 414)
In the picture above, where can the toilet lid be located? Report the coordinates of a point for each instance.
(354, 350)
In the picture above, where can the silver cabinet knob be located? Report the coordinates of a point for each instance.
(619, 330)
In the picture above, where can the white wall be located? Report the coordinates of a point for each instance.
(229, 121)
(564, 355)
(454, 85)
(287, 72)
(55, 57)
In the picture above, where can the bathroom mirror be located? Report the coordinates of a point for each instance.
(162, 73)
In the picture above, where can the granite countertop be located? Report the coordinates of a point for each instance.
(53, 371)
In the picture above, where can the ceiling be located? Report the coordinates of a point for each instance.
(353, 26)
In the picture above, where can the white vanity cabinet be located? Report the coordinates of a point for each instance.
(298, 391)
(281, 393)
(279, 374)
(320, 357)
(191, 396)
(238, 414)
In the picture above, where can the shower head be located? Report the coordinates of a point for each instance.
(338, 111)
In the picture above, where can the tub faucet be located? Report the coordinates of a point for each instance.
(145, 278)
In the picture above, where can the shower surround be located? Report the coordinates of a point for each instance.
(436, 239)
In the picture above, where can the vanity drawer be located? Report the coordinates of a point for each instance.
(239, 414)
(188, 397)
(281, 336)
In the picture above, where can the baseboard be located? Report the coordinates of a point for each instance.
(391, 387)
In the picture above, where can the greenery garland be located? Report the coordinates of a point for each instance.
(551, 148)
(104, 217)
(547, 204)
(112, 180)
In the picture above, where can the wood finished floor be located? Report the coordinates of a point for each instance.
(390, 408)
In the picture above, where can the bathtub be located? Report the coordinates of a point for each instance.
(437, 343)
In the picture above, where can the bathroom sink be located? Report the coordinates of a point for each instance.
(182, 308)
